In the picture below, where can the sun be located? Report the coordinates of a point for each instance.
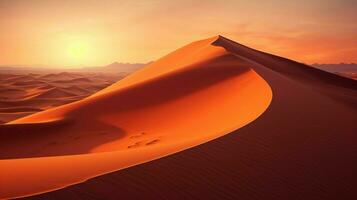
(78, 52)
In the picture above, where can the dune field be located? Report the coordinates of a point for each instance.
(22, 94)
(211, 120)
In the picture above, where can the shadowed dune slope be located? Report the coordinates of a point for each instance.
(302, 147)
(193, 95)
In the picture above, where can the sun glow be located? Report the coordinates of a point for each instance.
(78, 52)
(42, 32)
(73, 49)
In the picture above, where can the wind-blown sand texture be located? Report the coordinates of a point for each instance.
(302, 145)
(22, 94)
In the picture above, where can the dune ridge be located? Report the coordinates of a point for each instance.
(301, 147)
(191, 96)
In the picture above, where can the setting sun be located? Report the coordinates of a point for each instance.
(180, 99)
(142, 31)
(77, 52)
(77, 49)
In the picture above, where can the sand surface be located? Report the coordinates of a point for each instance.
(24, 93)
(191, 96)
(302, 147)
(342, 69)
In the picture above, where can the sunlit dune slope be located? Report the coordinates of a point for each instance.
(302, 147)
(191, 96)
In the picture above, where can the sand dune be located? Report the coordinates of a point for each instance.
(205, 93)
(14, 78)
(342, 69)
(77, 90)
(27, 83)
(61, 76)
(74, 80)
(302, 145)
(43, 91)
(54, 93)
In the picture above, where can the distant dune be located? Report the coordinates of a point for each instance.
(292, 133)
(50, 71)
(27, 93)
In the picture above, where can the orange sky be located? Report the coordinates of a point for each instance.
(89, 32)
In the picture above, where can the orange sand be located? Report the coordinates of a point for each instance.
(302, 147)
(24, 93)
(191, 96)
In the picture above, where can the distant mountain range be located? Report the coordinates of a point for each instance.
(348, 70)
(345, 67)
(115, 67)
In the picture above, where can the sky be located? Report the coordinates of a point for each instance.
(92, 32)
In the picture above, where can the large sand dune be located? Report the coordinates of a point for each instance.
(301, 147)
(194, 95)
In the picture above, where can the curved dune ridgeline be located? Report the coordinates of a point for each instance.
(302, 147)
(189, 97)
(299, 141)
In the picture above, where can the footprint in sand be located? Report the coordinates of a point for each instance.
(141, 143)
(152, 142)
(138, 136)
(136, 144)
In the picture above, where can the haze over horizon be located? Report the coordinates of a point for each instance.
(92, 33)
(157, 100)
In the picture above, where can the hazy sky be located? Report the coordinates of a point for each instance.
(88, 32)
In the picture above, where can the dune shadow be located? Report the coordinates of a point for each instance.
(80, 131)
(57, 138)
(166, 88)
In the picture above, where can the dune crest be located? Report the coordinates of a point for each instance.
(189, 97)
